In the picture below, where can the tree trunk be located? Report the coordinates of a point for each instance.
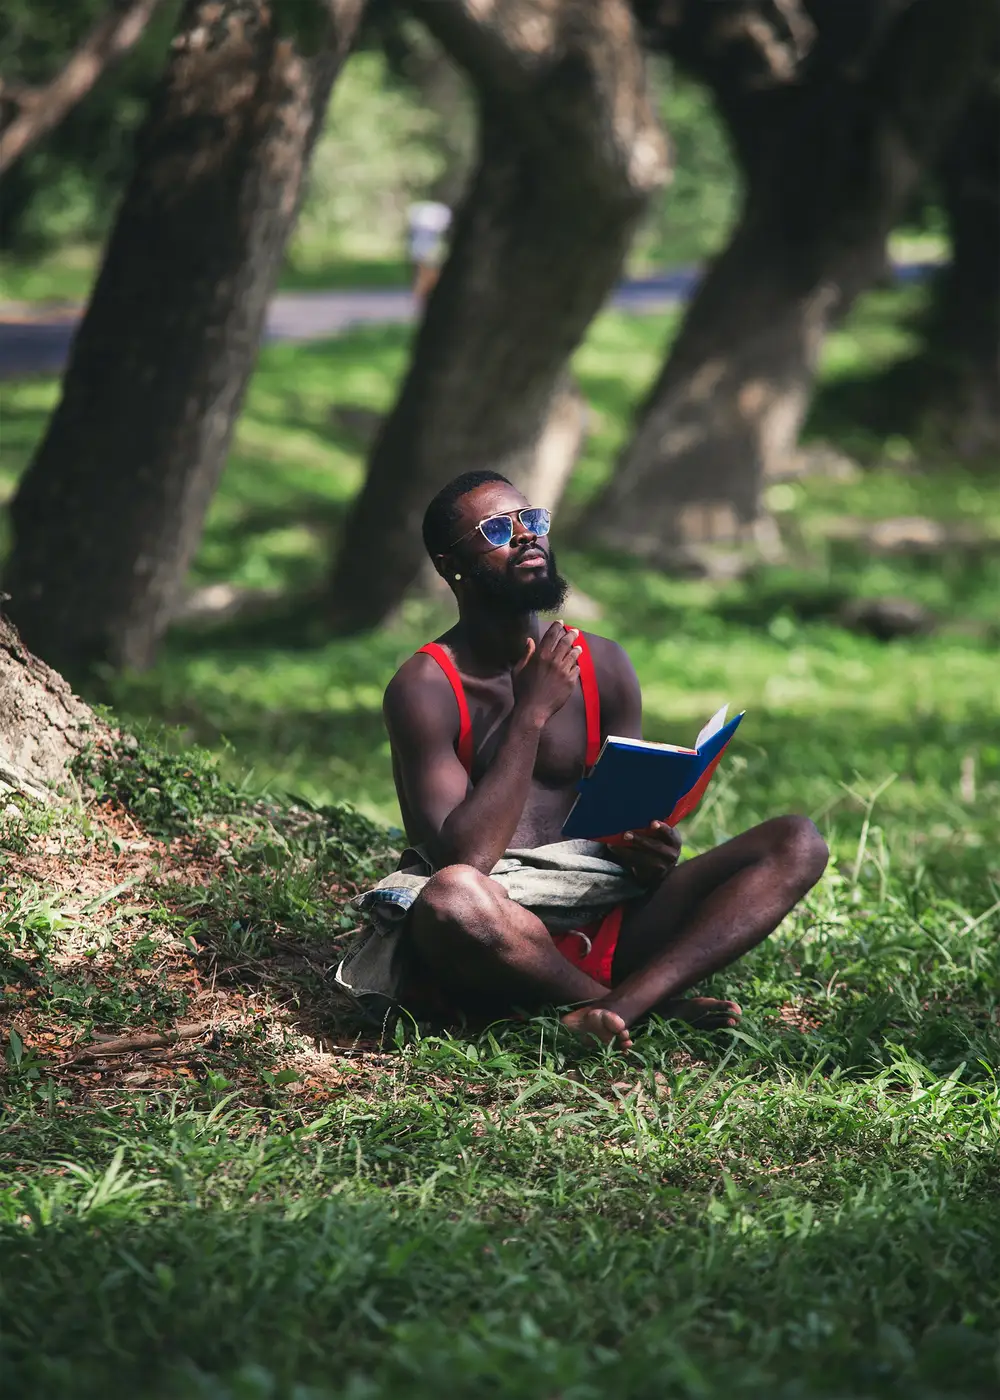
(568, 153)
(42, 723)
(111, 509)
(829, 161)
(726, 410)
(962, 358)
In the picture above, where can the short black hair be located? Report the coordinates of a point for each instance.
(441, 516)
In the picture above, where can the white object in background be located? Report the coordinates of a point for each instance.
(428, 223)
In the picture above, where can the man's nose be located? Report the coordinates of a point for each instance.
(521, 532)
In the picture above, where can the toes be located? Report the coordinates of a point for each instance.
(599, 1024)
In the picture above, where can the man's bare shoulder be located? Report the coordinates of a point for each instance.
(618, 686)
(610, 658)
(418, 686)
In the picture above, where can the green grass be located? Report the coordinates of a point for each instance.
(807, 1209)
(67, 274)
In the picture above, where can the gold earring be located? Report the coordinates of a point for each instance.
(457, 577)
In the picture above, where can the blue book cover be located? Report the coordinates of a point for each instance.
(634, 783)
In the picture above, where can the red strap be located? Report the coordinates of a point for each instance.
(591, 701)
(464, 746)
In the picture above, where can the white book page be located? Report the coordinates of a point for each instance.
(645, 744)
(712, 727)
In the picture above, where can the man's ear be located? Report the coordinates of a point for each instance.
(445, 565)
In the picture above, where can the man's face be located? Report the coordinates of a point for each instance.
(517, 577)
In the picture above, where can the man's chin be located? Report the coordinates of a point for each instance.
(512, 592)
(543, 595)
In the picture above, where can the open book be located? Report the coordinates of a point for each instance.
(634, 783)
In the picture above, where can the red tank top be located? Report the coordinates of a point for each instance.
(588, 683)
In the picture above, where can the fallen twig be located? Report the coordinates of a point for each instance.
(151, 1040)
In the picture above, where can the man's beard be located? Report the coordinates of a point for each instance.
(511, 593)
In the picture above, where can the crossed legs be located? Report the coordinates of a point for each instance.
(491, 955)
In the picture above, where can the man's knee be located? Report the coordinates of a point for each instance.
(798, 849)
(458, 895)
(468, 908)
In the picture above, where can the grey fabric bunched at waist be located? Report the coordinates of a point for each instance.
(567, 883)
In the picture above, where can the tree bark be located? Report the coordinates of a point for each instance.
(569, 151)
(39, 109)
(111, 509)
(42, 723)
(832, 134)
(961, 362)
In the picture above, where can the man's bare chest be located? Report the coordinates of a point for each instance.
(562, 744)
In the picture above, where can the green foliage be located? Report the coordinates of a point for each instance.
(385, 142)
(63, 191)
(691, 218)
(169, 792)
(380, 149)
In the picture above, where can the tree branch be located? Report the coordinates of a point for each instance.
(42, 108)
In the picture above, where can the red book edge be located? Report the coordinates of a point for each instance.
(693, 796)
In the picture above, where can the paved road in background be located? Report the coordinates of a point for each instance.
(36, 340)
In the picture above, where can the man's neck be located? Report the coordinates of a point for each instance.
(496, 640)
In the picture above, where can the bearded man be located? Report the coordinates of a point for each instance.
(491, 728)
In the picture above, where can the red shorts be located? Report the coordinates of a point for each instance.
(592, 947)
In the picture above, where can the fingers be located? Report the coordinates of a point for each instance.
(661, 833)
(567, 647)
(643, 836)
(554, 634)
(655, 846)
(558, 646)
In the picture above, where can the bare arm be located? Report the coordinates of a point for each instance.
(460, 824)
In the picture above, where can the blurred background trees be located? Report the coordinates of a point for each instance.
(836, 113)
(156, 375)
(777, 144)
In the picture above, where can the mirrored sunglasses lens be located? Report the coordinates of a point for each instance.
(498, 530)
(536, 520)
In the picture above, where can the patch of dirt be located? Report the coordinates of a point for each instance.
(798, 1017)
(107, 995)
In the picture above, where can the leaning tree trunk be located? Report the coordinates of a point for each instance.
(568, 153)
(961, 360)
(43, 725)
(830, 159)
(111, 509)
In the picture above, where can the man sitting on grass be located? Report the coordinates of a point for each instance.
(491, 728)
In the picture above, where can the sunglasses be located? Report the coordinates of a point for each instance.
(498, 530)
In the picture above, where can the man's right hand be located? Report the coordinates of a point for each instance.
(545, 676)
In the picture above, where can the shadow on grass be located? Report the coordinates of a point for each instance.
(743, 1293)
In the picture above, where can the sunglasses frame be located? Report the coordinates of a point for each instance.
(508, 514)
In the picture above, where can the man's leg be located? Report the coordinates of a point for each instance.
(490, 954)
(707, 913)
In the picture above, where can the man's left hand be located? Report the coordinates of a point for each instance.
(650, 854)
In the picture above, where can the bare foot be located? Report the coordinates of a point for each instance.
(594, 1023)
(704, 1013)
